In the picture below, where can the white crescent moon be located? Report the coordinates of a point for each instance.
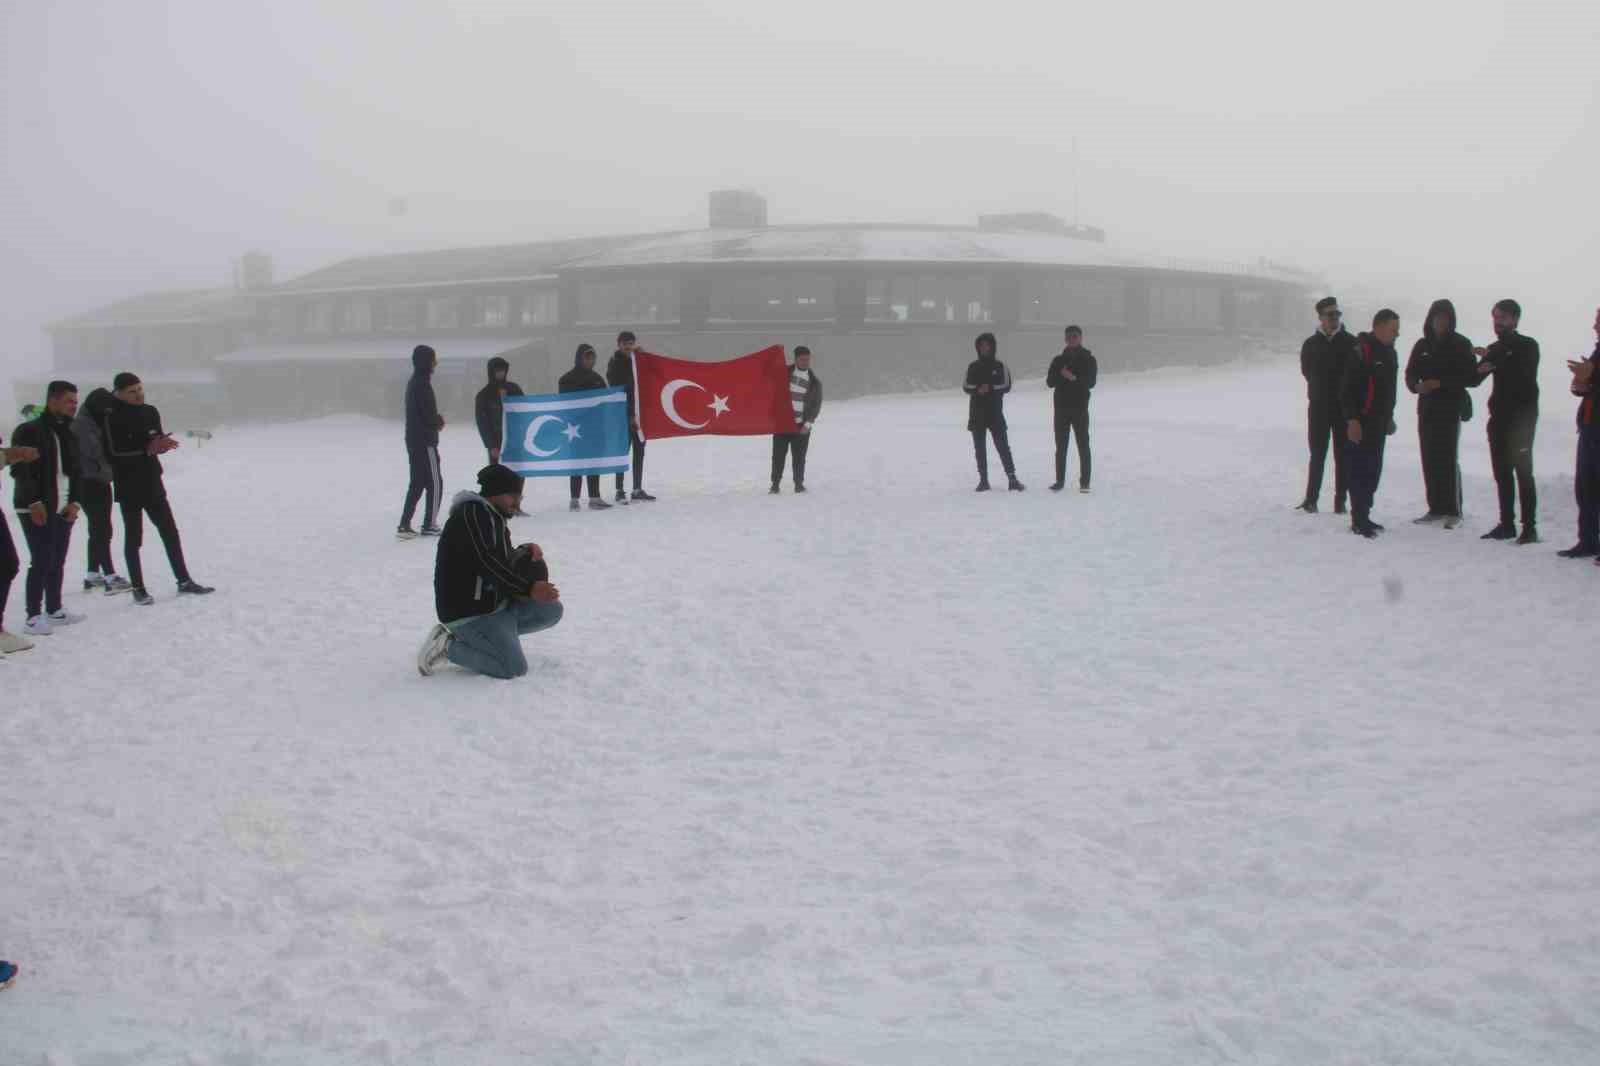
(531, 441)
(669, 391)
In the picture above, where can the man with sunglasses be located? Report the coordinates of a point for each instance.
(1322, 361)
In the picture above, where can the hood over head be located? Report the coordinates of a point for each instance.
(497, 363)
(98, 402)
(422, 358)
(1438, 305)
(577, 356)
(993, 347)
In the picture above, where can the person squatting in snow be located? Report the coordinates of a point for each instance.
(487, 594)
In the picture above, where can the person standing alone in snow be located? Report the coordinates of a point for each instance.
(1513, 361)
(487, 595)
(1322, 360)
(805, 393)
(988, 381)
(1367, 396)
(1070, 377)
(583, 376)
(489, 406)
(1440, 371)
(423, 423)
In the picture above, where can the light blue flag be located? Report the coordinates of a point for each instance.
(571, 433)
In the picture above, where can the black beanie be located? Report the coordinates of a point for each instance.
(496, 480)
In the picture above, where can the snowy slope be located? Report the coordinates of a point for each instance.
(889, 773)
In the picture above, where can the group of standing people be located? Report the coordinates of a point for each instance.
(66, 463)
(1070, 377)
(1352, 389)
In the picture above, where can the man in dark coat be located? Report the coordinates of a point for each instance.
(620, 372)
(94, 491)
(583, 376)
(45, 494)
(423, 423)
(1513, 361)
(135, 438)
(1440, 371)
(988, 381)
(1322, 360)
(489, 406)
(1586, 474)
(805, 396)
(1366, 397)
(1070, 377)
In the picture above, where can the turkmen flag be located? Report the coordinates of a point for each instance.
(570, 433)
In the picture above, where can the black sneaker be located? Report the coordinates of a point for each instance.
(1580, 550)
(1308, 506)
(622, 496)
(597, 504)
(141, 597)
(1376, 525)
(431, 531)
(798, 487)
(1364, 529)
(1015, 486)
(1338, 507)
(773, 491)
(1503, 531)
(640, 494)
(1530, 535)
(1057, 486)
(405, 533)
(192, 587)
(983, 486)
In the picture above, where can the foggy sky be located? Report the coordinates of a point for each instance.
(1452, 147)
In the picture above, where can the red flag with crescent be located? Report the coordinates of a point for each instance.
(738, 397)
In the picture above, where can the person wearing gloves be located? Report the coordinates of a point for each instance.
(805, 393)
(988, 381)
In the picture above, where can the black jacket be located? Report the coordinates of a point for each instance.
(1515, 360)
(580, 377)
(40, 480)
(489, 406)
(1589, 405)
(1446, 357)
(811, 406)
(127, 434)
(473, 571)
(1072, 396)
(1367, 392)
(422, 407)
(94, 459)
(986, 411)
(1322, 360)
(619, 371)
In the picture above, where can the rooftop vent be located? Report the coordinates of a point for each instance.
(738, 209)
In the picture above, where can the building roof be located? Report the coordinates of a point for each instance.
(386, 349)
(166, 308)
(451, 266)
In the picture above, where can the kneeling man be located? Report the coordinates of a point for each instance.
(488, 594)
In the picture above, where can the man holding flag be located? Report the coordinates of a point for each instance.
(748, 396)
(581, 378)
(580, 431)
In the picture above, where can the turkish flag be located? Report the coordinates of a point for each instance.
(740, 397)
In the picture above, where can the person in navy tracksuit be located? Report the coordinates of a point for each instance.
(988, 381)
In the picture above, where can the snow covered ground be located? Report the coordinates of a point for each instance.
(891, 773)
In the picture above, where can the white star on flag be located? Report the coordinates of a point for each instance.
(719, 406)
(572, 432)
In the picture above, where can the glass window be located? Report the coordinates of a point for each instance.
(400, 314)
(319, 316)
(929, 298)
(771, 297)
(356, 317)
(444, 312)
(494, 311)
(281, 321)
(1060, 299)
(539, 308)
(625, 302)
(1185, 307)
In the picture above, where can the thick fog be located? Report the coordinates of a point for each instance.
(1436, 149)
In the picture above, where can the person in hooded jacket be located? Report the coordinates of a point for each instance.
(584, 376)
(94, 491)
(988, 381)
(619, 371)
(1513, 361)
(45, 494)
(1440, 371)
(1070, 377)
(1322, 360)
(1586, 472)
(487, 594)
(1366, 399)
(423, 423)
(489, 406)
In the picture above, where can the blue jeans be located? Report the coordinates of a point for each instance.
(492, 643)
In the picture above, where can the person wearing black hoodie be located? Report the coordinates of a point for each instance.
(1322, 360)
(1366, 400)
(423, 423)
(489, 407)
(584, 376)
(94, 491)
(1071, 375)
(988, 381)
(1440, 371)
(1513, 361)
(620, 372)
(45, 494)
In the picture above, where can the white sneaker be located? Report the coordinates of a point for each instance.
(37, 626)
(10, 642)
(1452, 521)
(64, 617)
(435, 649)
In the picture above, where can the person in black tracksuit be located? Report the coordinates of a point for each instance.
(1070, 377)
(988, 381)
(1322, 359)
(1513, 361)
(94, 491)
(423, 424)
(584, 376)
(1440, 370)
(134, 438)
(1586, 472)
(489, 406)
(1366, 400)
(45, 494)
(620, 372)
(805, 399)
